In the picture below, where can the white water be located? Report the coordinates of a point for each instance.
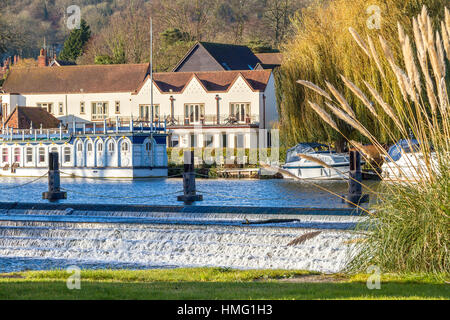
(175, 245)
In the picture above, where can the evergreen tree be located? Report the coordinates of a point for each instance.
(74, 45)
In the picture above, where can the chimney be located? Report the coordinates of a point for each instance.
(42, 59)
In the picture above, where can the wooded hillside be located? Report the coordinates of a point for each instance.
(263, 24)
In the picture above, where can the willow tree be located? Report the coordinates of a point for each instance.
(323, 49)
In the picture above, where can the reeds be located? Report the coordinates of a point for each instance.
(411, 231)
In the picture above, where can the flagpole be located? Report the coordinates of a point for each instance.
(151, 69)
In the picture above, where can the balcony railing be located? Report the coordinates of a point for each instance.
(211, 120)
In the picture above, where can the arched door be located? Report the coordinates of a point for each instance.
(111, 153)
(125, 153)
(90, 154)
(100, 149)
(80, 153)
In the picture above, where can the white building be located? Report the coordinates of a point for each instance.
(107, 153)
(202, 109)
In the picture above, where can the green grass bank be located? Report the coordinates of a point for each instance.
(218, 283)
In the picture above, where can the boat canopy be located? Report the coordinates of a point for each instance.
(305, 148)
(402, 147)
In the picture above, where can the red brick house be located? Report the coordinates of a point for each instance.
(25, 117)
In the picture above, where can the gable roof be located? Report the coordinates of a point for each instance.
(212, 81)
(271, 58)
(228, 56)
(122, 78)
(76, 79)
(32, 115)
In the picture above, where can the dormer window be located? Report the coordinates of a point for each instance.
(225, 65)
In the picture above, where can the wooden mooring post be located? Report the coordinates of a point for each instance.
(189, 190)
(54, 180)
(355, 195)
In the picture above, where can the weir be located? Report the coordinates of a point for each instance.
(173, 245)
(108, 236)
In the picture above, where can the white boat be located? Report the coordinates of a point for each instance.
(304, 168)
(406, 162)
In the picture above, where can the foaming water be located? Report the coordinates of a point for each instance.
(59, 245)
(49, 239)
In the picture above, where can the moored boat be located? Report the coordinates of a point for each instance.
(406, 162)
(338, 165)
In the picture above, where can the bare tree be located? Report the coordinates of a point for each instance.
(276, 18)
(191, 16)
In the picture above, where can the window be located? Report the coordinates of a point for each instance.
(117, 107)
(99, 110)
(239, 142)
(174, 141)
(224, 140)
(193, 141)
(89, 147)
(225, 65)
(146, 110)
(241, 111)
(54, 149)
(79, 147)
(125, 147)
(82, 108)
(61, 108)
(194, 112)
(111, 146)
(29, 153)
(209, 141)
(67, 155)
(41, 155)
(17, 155)
(100, 147)
(5, 157)
(46, 106)
(148, 147)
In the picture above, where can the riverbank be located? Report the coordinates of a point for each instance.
(216, 283)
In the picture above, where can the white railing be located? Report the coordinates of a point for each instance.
(109, 126)
(211, 120)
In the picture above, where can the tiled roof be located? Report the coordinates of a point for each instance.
(275, 58)
(228, 56)
(233, 57)
(121, 78)
(32, 115)
(171, 81)
(212, 81)
(76, 79)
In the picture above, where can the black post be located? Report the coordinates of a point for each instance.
(190, 194)
(355, 196)
(54, 181)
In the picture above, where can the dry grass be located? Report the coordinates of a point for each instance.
(412, 226)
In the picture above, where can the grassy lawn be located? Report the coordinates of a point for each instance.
(215, 283)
